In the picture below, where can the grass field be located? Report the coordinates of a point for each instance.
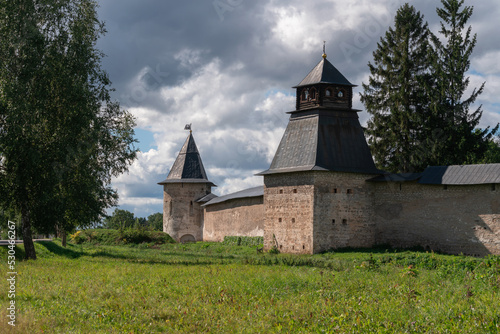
(216, 288)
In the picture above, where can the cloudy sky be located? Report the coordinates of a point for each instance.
(227, 67)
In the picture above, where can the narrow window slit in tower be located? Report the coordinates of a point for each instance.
(344, 221)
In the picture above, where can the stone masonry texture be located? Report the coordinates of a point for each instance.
(236, 217)
(182, 216)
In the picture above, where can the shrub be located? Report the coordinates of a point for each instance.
(274, 250)
(243, 241)
(117, 237)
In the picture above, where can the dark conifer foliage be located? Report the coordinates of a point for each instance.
(415, 94)
(396, 94)
(460, 141)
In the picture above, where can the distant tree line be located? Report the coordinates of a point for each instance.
(122, 219)
(416, 95)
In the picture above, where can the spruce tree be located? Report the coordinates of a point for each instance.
(396, 95)
(460, 142)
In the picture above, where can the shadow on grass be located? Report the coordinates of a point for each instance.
(168, 258)
(59, 250)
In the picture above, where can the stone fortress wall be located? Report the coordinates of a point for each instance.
(451, 219)
(314, 212)
(236, 217)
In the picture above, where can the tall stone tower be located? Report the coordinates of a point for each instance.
(184, 190)
(315, 193)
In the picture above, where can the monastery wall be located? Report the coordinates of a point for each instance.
(452, 219)
(182, 216)
(235, 217)
(289, 211)
(342, 211)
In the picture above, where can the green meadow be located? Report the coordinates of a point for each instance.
(231, 288)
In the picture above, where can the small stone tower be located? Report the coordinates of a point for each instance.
(184, 190)
(315, 194)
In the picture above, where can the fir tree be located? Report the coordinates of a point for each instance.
(396, 95)
(460, 141)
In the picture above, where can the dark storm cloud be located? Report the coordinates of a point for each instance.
(149, 34)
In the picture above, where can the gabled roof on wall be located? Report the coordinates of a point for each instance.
(206, 198)
(461, 175)
(188, 167)
(448, 175)
(251, 192)
(400, 177)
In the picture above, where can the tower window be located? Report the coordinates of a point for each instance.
(328, 92)
(294, 191)
(305, 94)
(333, 221)
(312, 94)
(350, 191)
(281, 191)
(340, 93)
(293, 220)
(493, 187)
(335, 190)
(344, 221)
(279, 220)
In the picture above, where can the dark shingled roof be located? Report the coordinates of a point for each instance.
(461, 175)
(324, 72)
(188, 167)
(330, 142)
(252, 192)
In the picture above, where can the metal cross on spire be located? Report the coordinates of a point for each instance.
(188, 127)
(324, 50)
